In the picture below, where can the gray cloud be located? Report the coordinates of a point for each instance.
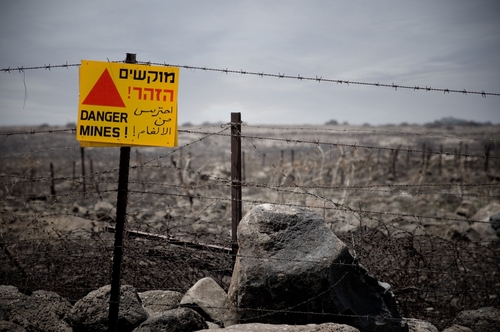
(451, 45)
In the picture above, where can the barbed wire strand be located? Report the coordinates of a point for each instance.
(318, 128)
(279, 75)
(354, 146)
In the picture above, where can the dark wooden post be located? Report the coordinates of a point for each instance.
(235, 178)
(440, 159)
(82, 154)
(121, 211)
(459, 152)
(423, 153)
(395, 161)
(466, 155)
(487, 149)
(243, 166)
(408, 152)
(52, 184)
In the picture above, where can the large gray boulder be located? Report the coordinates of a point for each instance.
(253, 327)
(210, 300)
(175, 320)
(480, 320)
(42, 311)
(290, 265)
(155, 301)
(91, 313)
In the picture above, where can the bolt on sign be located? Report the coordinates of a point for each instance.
(124, 104)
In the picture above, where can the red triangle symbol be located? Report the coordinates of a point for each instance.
(104, 93)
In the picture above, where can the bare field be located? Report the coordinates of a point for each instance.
(404, 198)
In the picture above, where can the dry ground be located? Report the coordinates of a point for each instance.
(395, 208)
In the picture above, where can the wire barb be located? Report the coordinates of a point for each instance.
(279, 75)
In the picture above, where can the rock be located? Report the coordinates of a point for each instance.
(210, 300)
(480, 320)
(91, 312)
(466, 209)
(252, 327)
(212, 326)
(462, 231)
(289, 260)
(490, 215)
(105, 211)
(495, 223)
(484, 213)
(457, 328)
(417, 325)
(6, 326)
(158, 300)
(176, 320)
(42, 311)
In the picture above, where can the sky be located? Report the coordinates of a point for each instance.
(452, 44)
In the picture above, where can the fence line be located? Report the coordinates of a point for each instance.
(289, 141)
(326, 128)
(276, 187)
(337, 206)
(279, 75)
(354, 146)
(219, 249)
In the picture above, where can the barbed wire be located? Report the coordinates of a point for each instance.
(226, 184)
(354, 146)
(46, 67)
(321, 79)
(40, 151)
(279, 75)
(73, 130)
(285, 140)
(337, 206)
(325, 128)
(156, 236)
(207, 134)
(34, 131)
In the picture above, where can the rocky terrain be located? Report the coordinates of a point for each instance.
(416, 218)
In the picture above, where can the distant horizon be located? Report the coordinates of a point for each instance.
(452, 121)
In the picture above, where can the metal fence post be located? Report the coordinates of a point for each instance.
(82, 157)
(236, 206)
(121, 211)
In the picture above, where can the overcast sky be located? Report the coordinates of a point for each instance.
(451, 44)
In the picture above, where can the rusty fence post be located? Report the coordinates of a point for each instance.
(52, 182)
(236, 206)
(121, 211)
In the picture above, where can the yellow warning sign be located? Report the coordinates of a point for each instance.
(123, 104)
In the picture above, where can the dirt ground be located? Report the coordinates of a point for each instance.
(411, 202)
